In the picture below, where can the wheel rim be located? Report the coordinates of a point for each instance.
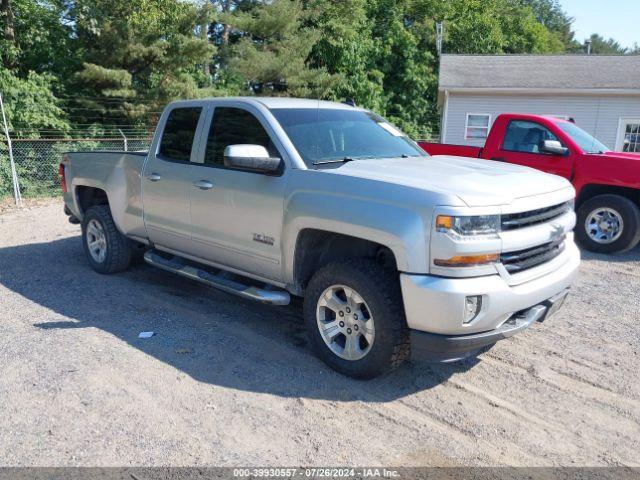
(96, 241)
(345, 322)
(604, 225)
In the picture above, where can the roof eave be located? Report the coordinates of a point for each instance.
(539, 91)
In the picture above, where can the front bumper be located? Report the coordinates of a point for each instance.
(436, 305)
(450, 348)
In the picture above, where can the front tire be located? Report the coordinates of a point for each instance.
(107, 250)
(608, 224)
(355, 318)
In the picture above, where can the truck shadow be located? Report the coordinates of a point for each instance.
(630, 256)
(211, 336)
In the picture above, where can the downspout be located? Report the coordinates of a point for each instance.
(445, 112)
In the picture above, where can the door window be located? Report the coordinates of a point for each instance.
(178, 135)
(234, 126)
(525, 137)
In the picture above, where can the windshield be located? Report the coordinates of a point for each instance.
(586, 142)
(322, 134)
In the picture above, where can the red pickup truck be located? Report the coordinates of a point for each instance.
(607, 183)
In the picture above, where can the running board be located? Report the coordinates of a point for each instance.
(220, 280)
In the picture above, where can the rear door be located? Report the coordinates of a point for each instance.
(521, 145)
(236, 215)
(166, 182)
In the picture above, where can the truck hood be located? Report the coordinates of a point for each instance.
(474, 181)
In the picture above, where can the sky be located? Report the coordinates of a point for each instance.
(609, 18)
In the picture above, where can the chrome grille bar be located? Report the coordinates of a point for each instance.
(531, 257)
(534, 217)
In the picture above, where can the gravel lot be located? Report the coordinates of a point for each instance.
(228, 382)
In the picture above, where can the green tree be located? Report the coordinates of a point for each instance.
(139, 54)
(29, 102)
(550, 14)
(272, 53)
(605, 46)
(30, 106)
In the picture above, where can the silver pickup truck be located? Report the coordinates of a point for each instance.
(391, 249)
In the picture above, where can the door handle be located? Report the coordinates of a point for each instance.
(203, 184)
(153, 177)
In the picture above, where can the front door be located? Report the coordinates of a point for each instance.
(628, 135)
(236, 216)
(521, 145)
(166, 182)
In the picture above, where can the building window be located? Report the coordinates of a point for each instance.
(629, 135)
(477, 125)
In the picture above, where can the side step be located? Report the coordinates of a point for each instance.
(219, 280)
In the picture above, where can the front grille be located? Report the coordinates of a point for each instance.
(521, 260)
(511, 221)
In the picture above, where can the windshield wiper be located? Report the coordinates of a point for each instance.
(335, 160)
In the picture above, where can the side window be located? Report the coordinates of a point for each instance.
(234, 126)
(179, 132)
(526, 137)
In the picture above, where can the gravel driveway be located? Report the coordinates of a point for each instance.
(227, 382)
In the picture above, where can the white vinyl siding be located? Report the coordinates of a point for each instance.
(599, 115)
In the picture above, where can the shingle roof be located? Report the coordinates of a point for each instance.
(540, 71)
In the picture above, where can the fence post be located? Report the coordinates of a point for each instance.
(14, 175)
(126, 149)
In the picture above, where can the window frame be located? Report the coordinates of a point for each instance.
(502, 149)
(467, 126)
(621, 133)
(195, 147)
(206, 129)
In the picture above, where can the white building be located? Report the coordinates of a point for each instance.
(601, 93)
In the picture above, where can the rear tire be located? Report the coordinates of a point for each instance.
(107, 250)
(608, 224)
(362, 302)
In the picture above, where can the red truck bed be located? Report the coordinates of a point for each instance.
(449, 149)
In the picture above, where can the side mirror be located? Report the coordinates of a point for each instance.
(253, 158)
(553, 147)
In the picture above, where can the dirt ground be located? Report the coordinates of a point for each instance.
(228, 382)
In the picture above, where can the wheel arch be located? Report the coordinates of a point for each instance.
(315, 248)
(592, 190)
(88, 196)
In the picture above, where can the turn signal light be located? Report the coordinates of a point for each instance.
(444, 222)
(467, 260)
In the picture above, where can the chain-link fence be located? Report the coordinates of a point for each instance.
(37, 159)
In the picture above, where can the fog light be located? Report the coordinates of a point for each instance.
(472, 306)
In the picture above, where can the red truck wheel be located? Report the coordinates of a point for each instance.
(608, 224)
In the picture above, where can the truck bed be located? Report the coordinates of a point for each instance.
(450, 149)
(118, 174)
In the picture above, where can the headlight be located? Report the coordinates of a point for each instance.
(466, 226)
